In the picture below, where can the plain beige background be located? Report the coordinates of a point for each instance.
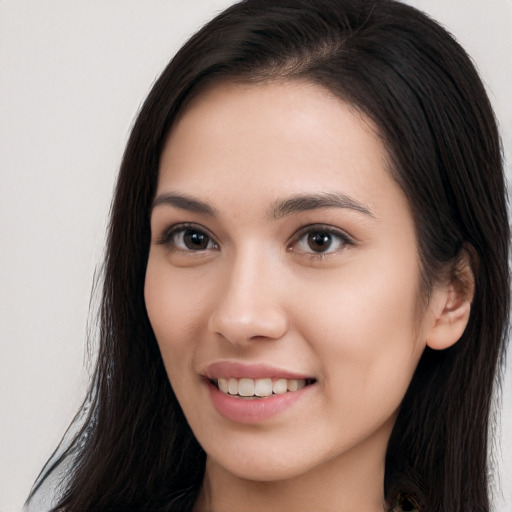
(72, 76)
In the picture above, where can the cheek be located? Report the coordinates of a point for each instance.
(364, 328)
(176, 304)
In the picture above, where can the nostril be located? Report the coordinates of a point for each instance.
(246, 314)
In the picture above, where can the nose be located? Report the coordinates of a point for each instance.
(249, 306)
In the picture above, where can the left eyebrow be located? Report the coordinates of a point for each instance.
(183, 202)
(301, 203)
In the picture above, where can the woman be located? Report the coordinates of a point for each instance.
(306, 286)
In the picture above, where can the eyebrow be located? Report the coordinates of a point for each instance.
(301, 203)
(279, 209)
(183, 202)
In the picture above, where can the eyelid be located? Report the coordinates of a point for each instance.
(326, 228)
(166, 237)
(169, 232)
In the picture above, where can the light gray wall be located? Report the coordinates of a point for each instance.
(72, 77)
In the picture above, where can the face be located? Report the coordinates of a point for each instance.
(283, 281)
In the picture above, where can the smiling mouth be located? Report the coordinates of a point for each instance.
(259, 388)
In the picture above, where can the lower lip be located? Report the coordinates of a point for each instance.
(254, 410)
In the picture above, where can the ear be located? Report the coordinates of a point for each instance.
(451, 304)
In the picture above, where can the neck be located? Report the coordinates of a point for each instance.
(351, 482)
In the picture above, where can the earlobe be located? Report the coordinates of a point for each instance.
(451, 305)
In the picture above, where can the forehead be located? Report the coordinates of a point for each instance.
(273, 138)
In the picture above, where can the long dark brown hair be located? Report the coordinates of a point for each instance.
(132, 449)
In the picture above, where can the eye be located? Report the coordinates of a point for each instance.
(188, 239)
(321, 240)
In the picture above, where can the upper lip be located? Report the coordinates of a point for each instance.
(238, 370)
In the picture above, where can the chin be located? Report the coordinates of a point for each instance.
(267, 461)
(262, 471)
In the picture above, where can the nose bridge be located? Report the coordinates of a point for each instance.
(250, 305)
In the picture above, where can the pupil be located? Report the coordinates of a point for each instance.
(319, 241)
(195, 240)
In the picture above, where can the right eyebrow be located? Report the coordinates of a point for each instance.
(183, 202)
(305, 202)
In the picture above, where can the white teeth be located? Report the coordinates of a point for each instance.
(280, 387)
(224, 385)
(246, 387)
(233, 386)
(294, 384)
(263, 387)
(260, 387)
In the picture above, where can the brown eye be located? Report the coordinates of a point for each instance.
(319, 241)
(195, 240)
(189, 239)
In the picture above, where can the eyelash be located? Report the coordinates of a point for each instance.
(168, 238)
(342, 237)
(170, 235)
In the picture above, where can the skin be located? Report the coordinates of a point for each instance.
(348, 312)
